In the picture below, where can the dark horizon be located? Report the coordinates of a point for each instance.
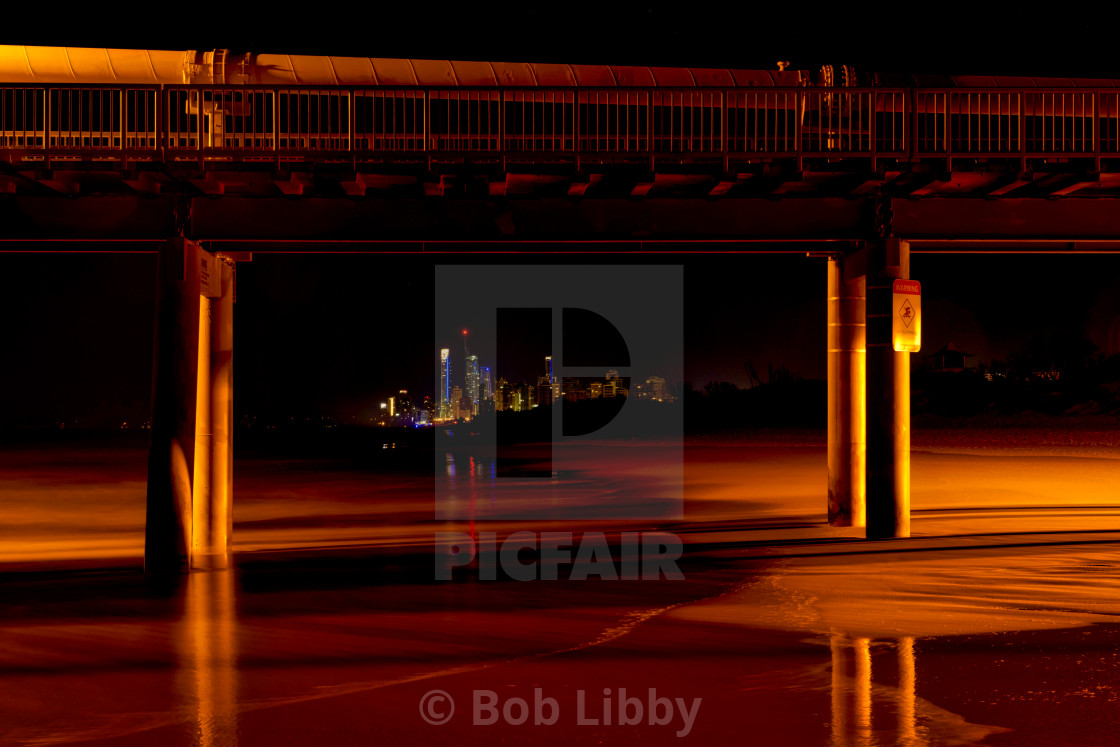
(335, 335)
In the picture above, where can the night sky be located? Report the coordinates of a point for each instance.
(945, 37)
(336, 335)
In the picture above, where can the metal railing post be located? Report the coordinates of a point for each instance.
(276, 126)
(1096, 131)
(576, 130)
(873, 129)
(502, 129)
(948, 134)
(161, 122)
(123, 127)
(200, 124)
(726, 146)
(799, 100)
(351, 100)
(47, 127)
(428, 128)
(913, 149)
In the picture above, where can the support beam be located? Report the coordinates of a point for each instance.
(213, 486)
(167, 538)
(846, 394)
(190, 462)
(203, 437)
(888, 397)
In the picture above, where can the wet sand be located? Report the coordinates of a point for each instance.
(997, 624)
(78, 506)
(262, 660)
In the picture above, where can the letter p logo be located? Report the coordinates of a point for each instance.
(567, 393)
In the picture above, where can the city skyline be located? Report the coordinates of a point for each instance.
(484, 391)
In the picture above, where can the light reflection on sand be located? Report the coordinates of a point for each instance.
(206, 645)
(865, 711)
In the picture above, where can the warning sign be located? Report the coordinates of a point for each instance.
(209, 275)
(907, 325)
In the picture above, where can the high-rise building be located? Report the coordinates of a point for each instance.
(553, 382)
(471, 381)
(454, 402)
(445, 383)
(544, 391)
(487, 384)
(502, 396)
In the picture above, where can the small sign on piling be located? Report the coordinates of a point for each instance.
(907, 324)
(209, 275)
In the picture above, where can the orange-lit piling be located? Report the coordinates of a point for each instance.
(167, 539)
(846, 396)
(221, 418)
(888, 397)
(190, 465)
(213, 486)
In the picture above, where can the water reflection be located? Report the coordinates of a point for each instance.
(206, 649)
(855, 701)
(470, 479)
(907, 724)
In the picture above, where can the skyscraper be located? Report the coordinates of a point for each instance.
(544, 391)
(554, 385)
(460, 404)
(502, 396)
(445, 383)
(487, 383)
(471, 381)
(404, 405)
